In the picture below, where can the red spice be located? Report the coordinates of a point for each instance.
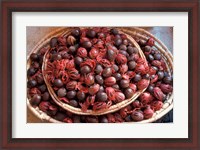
(93, 89)
(119, 97)
(94, 41)
(152, 71)
(156, 105)
(137, 104)
(123, 112)
(154, 79)
(140, 68)
(148, 112)
(131, 74)
(142, 84)
(110, 93)
(166, 88)
(99, 105)
(97, 29)
(133, 87)
(71, 85)
(146, 98)
(125, 76)
(81, 87)
(123, 36)
(150, 42)
(84, 106)
(83, 39)
(62, 41)
(44, 106)
(64, 99)
(156, 63)
(109, 38)
(109, 103)
(158, 93)
(99, 44)
(70, 64)
(73, 74)
(163, 64)
(90, 100)
(136, 57)
(89, 62)
(105, 62)
(34, 91)
(82, 52)
(123, 68)
(93, 53)
(109, 81)
(121, 59)
(89, 79)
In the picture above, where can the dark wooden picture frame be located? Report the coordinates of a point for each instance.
(9, 6)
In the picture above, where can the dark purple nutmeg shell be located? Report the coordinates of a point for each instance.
(137, 116)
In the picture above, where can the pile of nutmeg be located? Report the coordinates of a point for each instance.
(95, 68)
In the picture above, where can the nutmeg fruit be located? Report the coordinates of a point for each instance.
(71, 40)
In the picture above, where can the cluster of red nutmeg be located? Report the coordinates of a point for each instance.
(94, 68)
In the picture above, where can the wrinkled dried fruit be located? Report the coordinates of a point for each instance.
(150, 42)
(71, 85)
(119, 96)
(109, 81)
(128, 92)
(137, 116)
(71, 40)
(146, 97)
(148, 113)
(123, 112)
(158, 93)
(121, 59)
(156, 105)
(136, 104)
(166, 88)
(140, 68)
(142, 84)
(133, 87)
(82, 52)
(93, 53)
(93, 89)
(156, 63)
(89, 79)
(73, 74)
(110, 93)
(44, 106)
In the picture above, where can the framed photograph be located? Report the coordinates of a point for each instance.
(99, 75)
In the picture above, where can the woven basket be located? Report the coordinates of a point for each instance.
(78, 111)
(137, 33)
